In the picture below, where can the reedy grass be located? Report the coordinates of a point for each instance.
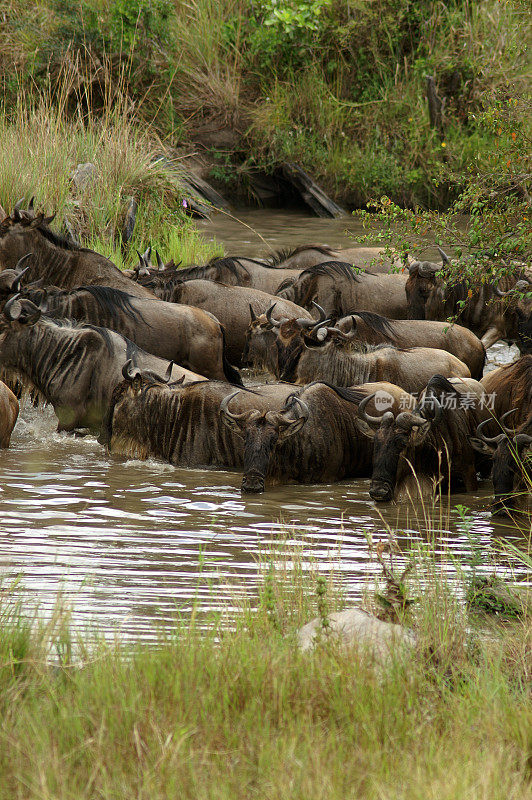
(41, 144)
(238, 711)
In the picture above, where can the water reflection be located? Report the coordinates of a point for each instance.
(133, 542)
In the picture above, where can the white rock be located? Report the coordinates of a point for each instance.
(83, 174)
(357, 628)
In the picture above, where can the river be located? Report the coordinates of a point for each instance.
(130, 544)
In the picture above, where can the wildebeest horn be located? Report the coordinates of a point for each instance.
(297, 413)
(127, 373)
(160, 262)
(168, 373)
(498, 291)
(274, 322)
(18, 204)
(444, 257)
(32, 201)
(228, 416)
(18, 265)
(488, 439)
(13, 308)
(435, 403)
(147, 254)
(252, 313)
(363, 414)
(413, 266)
(321, 310)
(508, 431)
(306, 323)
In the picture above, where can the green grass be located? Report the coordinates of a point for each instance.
(41, 145)
(343, 93)
(239, 712)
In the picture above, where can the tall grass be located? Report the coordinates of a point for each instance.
(41, 144)
(239, 711)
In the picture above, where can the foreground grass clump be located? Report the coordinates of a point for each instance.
(235, 713)
(41, 146)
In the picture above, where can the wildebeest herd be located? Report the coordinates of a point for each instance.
(371, 378)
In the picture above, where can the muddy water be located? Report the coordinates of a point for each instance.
(130, 544)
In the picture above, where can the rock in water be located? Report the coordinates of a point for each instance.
(357, 628)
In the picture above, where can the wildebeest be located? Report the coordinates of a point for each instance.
(9, 409)
(308, 255)
(274, 433)
(511, 451)
(230, 270)
(235, 307)
(511, 388)
(74, 367)
(417, 449)
(340, 290)
(371, 328)
(58, 261)
(346, 363)
(481, 309)
(190, 337)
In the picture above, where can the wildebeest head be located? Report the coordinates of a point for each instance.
(18, 311)
(509, 450)
(392, 437)
(10, 278)
(268, 338)
(18, 235)
(423, 280)
(261, 432)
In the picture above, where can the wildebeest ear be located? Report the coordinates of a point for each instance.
(482, 447)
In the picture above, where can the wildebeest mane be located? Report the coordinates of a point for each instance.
(379, 324)
(285, 253)
(335, 269)
(112, 301)
(105, 333)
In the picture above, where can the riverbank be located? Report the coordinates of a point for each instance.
(229, 707)
(340, 88)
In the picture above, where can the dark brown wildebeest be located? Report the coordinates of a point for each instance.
(274, 434)
(511, 451)
(235, 307)
(58, 261)
(9, 409)
(190, 337)
(74, 367)
(416, 450)
(340, 290)
(371, 328)
(511, 388)
(481, 309)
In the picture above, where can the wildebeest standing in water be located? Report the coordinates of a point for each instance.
(234, 306)
(9, 409)
(274, 434)
(58, 261)
(190, 337)
(511, 452)
(429, 444)
(364, 326)
(74, 367)
(340, 290)
(480, 309)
